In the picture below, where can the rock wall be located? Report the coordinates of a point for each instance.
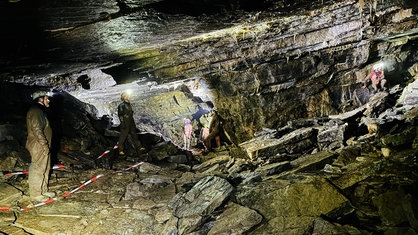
(280, 68)
(262, 68)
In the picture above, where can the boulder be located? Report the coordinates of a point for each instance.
(199, 202)
(235, 219)
(291, 206)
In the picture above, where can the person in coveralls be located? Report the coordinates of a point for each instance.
(127, 125)
(38, 143)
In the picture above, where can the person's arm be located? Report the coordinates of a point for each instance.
(35, 118)
(121, 111)
(382, 74)
(367, 81)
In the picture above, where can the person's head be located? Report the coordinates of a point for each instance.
(124, 96)
(377, 67)
(41, 97)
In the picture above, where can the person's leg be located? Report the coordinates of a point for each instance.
(205, 134)
(184, 140)
(383, 83)
(356, 100)
(188, 141)
(122, 137)
(134, 137)
(218, 141)
(46, 174)
(37, 169)
(187, 136)
(374, 88)
(136, 140)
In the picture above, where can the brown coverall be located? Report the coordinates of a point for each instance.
(214, 131)
(38, 144)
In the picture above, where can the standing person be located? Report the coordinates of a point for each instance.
(127, 125)
(204, 131)
(214, 130)
(187, 133)
(38, 144)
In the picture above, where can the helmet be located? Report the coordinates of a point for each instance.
(126, 94)
(38, 94)
(377, 66)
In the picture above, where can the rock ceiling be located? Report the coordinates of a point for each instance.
(261, 64)
(287, 68)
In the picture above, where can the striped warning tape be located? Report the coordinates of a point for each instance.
(133, 166)
(108, 151)
(64, 195)
(58, 166)
(165, 138)
(82, 185)
(39, 204)
(72, 191)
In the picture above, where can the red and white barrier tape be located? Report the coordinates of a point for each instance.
(39, 204)
(79, 187)
(58, 166)
(69, 192)
(134, 166)
(82, 185)
(108, 151)
(64, 195)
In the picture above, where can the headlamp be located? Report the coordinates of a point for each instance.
(38, 94)
(378, 65)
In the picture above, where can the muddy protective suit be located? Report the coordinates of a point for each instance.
(127, 126)
(215, 129)
(38, 144)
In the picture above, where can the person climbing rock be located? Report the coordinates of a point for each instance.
(187, 133)
(375, 81)
(127, 125)
(38, 144)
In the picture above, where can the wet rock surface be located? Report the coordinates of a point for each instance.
(362, 184)
(245, 56)
(298, 155)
